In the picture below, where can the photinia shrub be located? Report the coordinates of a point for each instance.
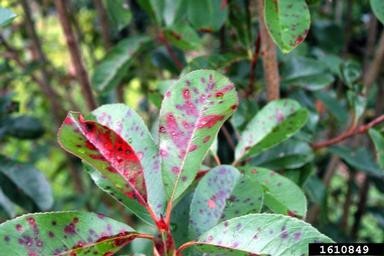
(236, 209)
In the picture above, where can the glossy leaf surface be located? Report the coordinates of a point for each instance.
(207, 15)
(261, 234)
(112, 69)
(63, 233)
(281, 195)
(118, 13)
(28, 180)
(288, 22)
(193, 111)
(221, 194)
(273, 124)
(378, 9)
(106, 151)
(215, 62)
(129, 125)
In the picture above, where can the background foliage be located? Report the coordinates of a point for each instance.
(133, 50)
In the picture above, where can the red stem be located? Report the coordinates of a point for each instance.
(170, 51)
(349, 133)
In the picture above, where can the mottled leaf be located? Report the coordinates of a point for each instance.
(191, 115)
(28, 180)
(207, 14)
(288, 22)
(6, 16)
(261, 234)
(64, 233)
(129, 125)
(378, 9)
(221, 194)
(378, 141)
(281, 195)
(106, 151)
(112, 69)
(273, 124)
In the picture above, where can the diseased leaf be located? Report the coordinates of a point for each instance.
(129, 125)
(288, 22)
(106, 151)
(378, 9)
(6, 16)
(378, 140)
(281, 195)
(64, 233)
(221, 194)
(191, 115)
(273, 124)
(28, 180)
(107, 186)
(261, 234)
(112, 69)
(207, 14)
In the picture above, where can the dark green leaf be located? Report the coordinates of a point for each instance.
(207, 14)
(378, 9)
(25, 127)
(28, 180)
(183, 36)
(7, 205)
(118, 13)
(112, 69)
(378, 140)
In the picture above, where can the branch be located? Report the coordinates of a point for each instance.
(268, 54)
(75, 53)
(349, 133)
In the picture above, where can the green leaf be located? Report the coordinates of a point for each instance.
(281, 195)
(191, 115)
(207, 15)
(106, 151)
(307, 73)
(273, 124)
(118, 13)
(261, 234)
(64, 233)
(291, 154)
(360, 159)
(378, 141)
(28, 180)
(25, 127)
(112, 69)
(288, 22)
(183, 36)
(240, 19)
(7, 205)
(129, 125)
(215, 62)
(221, 194)
(378, 9)
(333, 105)
(6, 16)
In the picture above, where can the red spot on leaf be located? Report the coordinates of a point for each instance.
(211, 204)
(209, 121)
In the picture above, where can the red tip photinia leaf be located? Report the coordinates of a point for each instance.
(106, 151)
